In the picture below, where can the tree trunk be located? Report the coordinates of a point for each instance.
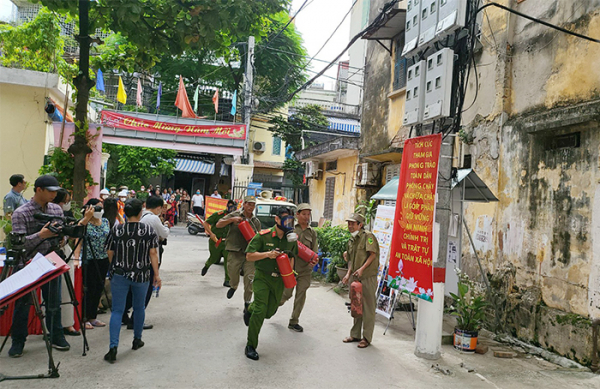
(80, 148)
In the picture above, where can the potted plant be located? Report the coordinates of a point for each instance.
(469, 309)
(333, 241)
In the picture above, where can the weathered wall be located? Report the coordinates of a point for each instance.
(544, 223)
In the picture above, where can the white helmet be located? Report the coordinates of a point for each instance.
(104, 192)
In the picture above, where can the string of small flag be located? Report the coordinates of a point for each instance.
(181, 101)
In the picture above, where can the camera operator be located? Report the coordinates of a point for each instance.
(24, 222)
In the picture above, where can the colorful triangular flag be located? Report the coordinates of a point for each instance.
(215, 100)
(182, 102)
(100, 81)
(140, 94)
(121, 95)
(158, 95)
(196, 98)
(234, 103)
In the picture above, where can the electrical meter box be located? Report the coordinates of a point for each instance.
(411, 33)
(451, 15)
(438, 84)
(428, 20)
(413, 106)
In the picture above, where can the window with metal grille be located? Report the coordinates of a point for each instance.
(400, 64)
(276, 145)
(391, 172)
(329, 196)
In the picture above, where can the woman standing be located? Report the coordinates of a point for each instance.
(185, 206)
(95, 260)
(111, 212)
(171, 210)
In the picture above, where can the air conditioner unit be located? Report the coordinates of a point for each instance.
(312, 169)
(259, 147)
(365, 174)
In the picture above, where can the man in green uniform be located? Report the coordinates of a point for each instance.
(308, 237)
(218, 239)
(236, 247)
(363, 263)
(268, 284)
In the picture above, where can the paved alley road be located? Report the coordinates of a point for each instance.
(199, 337)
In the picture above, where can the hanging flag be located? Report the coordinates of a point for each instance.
(100, 81)
(182, 102)
(121, 95)
(158, 95)
(140, 94)
(234, 103)
(216, 100)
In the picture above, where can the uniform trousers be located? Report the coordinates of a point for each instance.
(363, 326)
(236, 260)
(215, 255)
(302, 285)
(267, 295)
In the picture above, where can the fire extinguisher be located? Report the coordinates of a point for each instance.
(356, 307)
(285, 269)
(246, 230)
(306, 254)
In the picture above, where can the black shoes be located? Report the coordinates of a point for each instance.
(226, 284)
(251, 353)
(137, 343)
(146, 326)
(71, 333)
(296, 327)
(247, 315)
(61, 344)
(16, 350)
(230, 293)
(111, 355)
(204, 271)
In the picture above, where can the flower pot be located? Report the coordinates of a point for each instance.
(341, 272)
(465, 341)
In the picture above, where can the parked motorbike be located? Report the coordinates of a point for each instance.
(194, 225)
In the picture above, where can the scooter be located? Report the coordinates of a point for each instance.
(194, 225)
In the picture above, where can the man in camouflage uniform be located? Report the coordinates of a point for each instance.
(218, 239)
(236, 246)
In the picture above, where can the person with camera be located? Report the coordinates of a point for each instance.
(95, 259)
(132, 251)
(38, 240)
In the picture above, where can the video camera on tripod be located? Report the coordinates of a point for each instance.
(60, 225)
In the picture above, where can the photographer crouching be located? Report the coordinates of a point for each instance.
(24, 223)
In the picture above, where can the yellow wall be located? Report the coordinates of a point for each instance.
(23, 134)
(259, 133)
(344, 199)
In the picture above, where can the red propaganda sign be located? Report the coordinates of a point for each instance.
(214, 205)
(119, 120)
(411, 250)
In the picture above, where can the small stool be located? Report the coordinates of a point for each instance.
(325, 266)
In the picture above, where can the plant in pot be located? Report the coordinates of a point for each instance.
(469, 308)
(333, 241)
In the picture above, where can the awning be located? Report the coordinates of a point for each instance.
(346, 125)
(194, 166)
(388, 192)
(224, 170)
(475, 189)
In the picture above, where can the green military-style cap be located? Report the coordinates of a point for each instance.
(250, 199)
(304, 206)
(356, 217)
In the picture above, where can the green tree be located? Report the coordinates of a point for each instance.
(154, 26)
(292, 129)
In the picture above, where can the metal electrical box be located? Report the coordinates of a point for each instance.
(415, 83)
(438, 84)
(411, 33)
(428, 20)
(451, 15)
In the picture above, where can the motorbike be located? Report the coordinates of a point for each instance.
(194, 225)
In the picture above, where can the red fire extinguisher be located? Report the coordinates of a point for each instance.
(246, 230)
(285, 268)
(356, 307)
(306, 254)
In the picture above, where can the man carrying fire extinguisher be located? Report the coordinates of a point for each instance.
(308, 237)
(362, 256)
(218, 239)
(264, 250)
(236, 247)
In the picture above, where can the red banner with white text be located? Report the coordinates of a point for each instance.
(119, 120)
(411, 250)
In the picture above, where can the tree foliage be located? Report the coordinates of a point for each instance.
(133, 166)
(61, 165)
(291, 130)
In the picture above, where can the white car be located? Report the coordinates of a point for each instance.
(266, 207)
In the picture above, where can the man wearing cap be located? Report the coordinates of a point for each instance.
(23, 222)
(308, 237)
(104, 194)
(236, 247)
(218, 240)
(121, 203)
(363, 263)
(268, 287)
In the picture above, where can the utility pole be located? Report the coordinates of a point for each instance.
(430, 316)
(248, 84)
